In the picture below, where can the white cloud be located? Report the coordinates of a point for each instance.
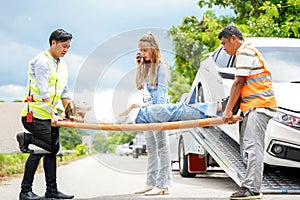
(11, 92)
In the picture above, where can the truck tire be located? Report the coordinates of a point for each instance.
(135, 154)
(183, 161)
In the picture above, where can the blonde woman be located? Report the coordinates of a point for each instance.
(152, 77)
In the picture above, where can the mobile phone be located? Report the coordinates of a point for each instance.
(140, 57)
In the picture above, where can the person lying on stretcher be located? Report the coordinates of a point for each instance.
(158, 113)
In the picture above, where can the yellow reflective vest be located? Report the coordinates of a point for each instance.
(56, 83)
(257, 91)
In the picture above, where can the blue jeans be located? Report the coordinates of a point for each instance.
(158, 113)
(159, 161)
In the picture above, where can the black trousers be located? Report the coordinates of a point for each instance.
(48, 134)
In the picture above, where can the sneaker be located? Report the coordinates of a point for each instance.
(245, 194)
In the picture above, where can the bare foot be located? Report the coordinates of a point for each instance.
(132, 106)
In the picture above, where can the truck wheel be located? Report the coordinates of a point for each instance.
(135, 154)
(183, 160)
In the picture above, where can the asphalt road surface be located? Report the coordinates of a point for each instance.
(112, 177)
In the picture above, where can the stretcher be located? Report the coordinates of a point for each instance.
(150, 126)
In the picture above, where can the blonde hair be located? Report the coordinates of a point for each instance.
(150, 69)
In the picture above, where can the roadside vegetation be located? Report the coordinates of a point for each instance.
(106, 142)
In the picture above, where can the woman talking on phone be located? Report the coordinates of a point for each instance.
(152, 77)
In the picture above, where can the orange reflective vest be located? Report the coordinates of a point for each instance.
(257, 91)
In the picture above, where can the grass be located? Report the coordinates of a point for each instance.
(12, 164)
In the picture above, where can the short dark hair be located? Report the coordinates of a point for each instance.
(229, 31)
(60, 35)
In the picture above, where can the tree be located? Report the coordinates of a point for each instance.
(98, 142)
(69, 138)
(178, 86)
(115, 138)
(277, 18)
(193, 39)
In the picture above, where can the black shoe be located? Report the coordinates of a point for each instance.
(246, 194)
(23, 143)
(58, 195)
(29, 196)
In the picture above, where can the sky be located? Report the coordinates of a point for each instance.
(101, 57)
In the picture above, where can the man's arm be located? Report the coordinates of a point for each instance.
(235, 94)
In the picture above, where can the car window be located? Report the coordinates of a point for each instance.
(283, 62)
(193, 97)
(223, 59)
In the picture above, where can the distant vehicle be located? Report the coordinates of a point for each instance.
(213, 82)
(123, 149)
(139, 145)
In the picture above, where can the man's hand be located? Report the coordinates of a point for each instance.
(46, 100)
(54, 119)
(227, 116)
(70, 110)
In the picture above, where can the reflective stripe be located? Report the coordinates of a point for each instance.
(257, 91)
(255, 68)
(258, 79)
(268, 93)
(246, 54)
(56, 83)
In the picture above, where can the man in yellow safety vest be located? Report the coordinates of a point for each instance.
(47, 84)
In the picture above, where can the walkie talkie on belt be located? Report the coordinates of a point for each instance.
(29, 116)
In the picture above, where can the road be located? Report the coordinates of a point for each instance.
(112, 177)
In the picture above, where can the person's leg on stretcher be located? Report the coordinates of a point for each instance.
(158, 113)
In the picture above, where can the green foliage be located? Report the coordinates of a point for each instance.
(81, 149)
(276, 18)
(15, 101)
(69, 138)
(98, 142)
(12, 163)
(193, 39)
(279, 23)
(178, 86)
(107, 144)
